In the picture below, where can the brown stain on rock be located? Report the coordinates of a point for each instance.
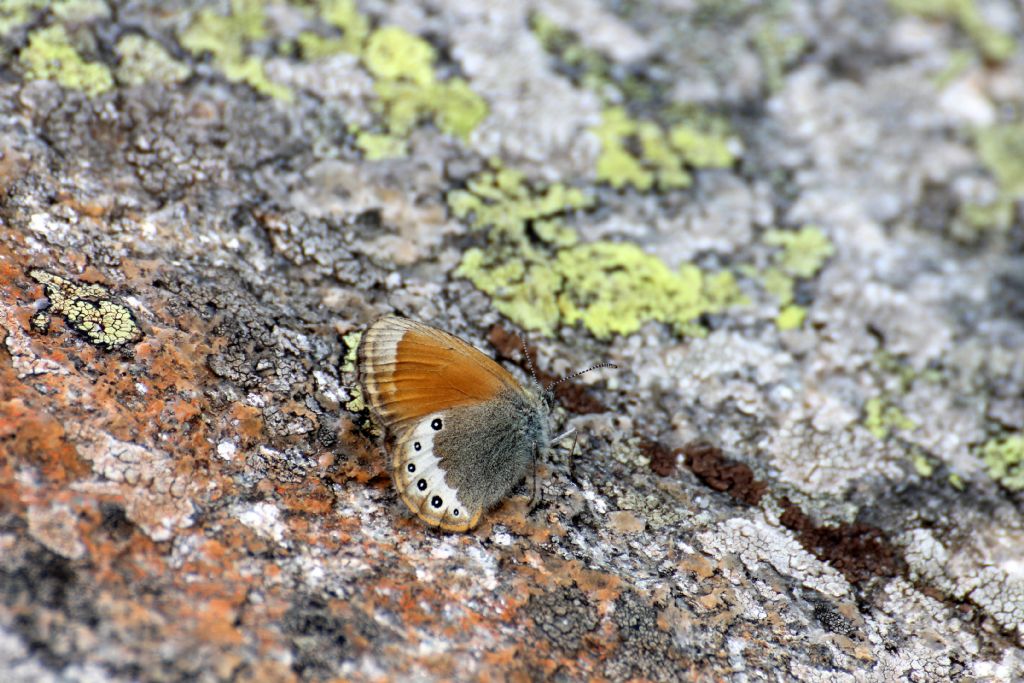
(712, 467)
(663, 458)
(859, 551)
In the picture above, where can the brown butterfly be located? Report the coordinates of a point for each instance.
(460, 429)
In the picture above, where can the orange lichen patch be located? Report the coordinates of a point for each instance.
(267, 670)
(625, 522)
(365, 462)
(92, 209)
(31, 435)
(247, 424)
(514, 513)
(310, 496)
(600, 586)
(507, 660)
(214, 622)
(700, 565)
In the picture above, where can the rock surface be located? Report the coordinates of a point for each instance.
(798, 228)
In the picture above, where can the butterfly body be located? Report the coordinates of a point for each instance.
(460, 429)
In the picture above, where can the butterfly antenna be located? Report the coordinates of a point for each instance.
(529, 361)
(574, 375)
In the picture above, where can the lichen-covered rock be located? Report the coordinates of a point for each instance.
(797, 228)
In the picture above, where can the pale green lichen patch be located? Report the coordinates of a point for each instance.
(778, 50)
(502, 202)
(226, 39)
(79, 11)
(344, 16)
(1004, 461)
(377, 146)
(51, 56)
(881, 418)
(15, 13)
(990, 41)
(1001, 150)
(653, 152)
(804, 252)
(802, 255)
(351, 342)
(146, 61)
(790, 317)
(89, 309)
(644, 155)
(538, 275)
(409, 90)
(922, 465)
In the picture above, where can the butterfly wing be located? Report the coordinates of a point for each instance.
(409, 370)
(419, 382)
(423, 483)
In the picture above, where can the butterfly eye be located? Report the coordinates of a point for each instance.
(436, 501)
(422, 484)
(436, 424)
(411, 467)
(417, 446)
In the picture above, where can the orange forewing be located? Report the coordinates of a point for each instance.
(411, 370)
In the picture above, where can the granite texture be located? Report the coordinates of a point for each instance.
(797, 227)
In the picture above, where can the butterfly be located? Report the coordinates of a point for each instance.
(461, 431)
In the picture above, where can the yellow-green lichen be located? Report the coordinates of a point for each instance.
(804, 251)
(15, 13)
(958, 63)
(1001, 150)
(777, 50)
(881, 418)
(226, 38)
(611, 288)
(395, 54)
(588, 67)
(1004, 461)
(790, 317)
(51, 56)
(539, 275)
(644, 155)
(146, 61)
(922, 464)
(344, 16)
(377, 146)
(409, 91)
(89, 309)
(351, 343)
(990, 41)
(355, 404)
(79, 11)
(502, 202)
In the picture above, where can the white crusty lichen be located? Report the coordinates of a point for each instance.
(758, 543)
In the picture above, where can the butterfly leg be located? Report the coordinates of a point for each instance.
(572, 463)
(534, 497)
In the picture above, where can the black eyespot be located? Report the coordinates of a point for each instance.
(436, 424)
(411, 467)
(422, 484)
(417, 446)
(455, 512)
(436, 501)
